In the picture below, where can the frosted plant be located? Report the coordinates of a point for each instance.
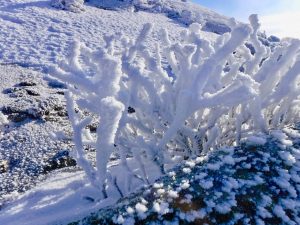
(178, 100)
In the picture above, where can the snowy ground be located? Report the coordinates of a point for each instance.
(33, 37)
(35, 34)
(26, 144)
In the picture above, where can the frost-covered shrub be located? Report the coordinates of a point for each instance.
(255, 183)
(70, 5)
(180, 100)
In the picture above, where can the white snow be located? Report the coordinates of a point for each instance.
(206, 184)
(120, 219)
(3, 123)
(185, 184)
(228, 160)
(141, 209)
(215, 166)
(278, 210)
(256, 140)
(161, 208)
(130, 210)
(288, 158)
(36, 34)
(172, 194)
(171, 75)
(186, 170)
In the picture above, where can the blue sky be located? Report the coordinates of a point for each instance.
(279, 17)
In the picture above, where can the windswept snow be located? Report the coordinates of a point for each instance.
(35, 34)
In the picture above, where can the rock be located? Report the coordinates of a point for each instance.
(34, 101)
(273, 38)
(22, 110)
(26, 84)
(216, 27)
(60, 160)
(32, 92)
(93, 127)
(130, 110)
(55, 113)
(3, 166)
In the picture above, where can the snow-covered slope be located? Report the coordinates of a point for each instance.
(35, 34)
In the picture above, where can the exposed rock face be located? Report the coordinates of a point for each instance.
(34, 108)
(33, 101)
(3, 166)
(60, 160)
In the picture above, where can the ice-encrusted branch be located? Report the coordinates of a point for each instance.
(156, 106)
(3, 122)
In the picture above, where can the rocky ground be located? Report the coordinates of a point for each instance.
(36, 110)
(255, 183)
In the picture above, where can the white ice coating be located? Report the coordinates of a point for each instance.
(148, 111)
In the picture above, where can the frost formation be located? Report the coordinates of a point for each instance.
(183, 99)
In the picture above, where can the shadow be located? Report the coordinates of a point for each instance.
(109, 5)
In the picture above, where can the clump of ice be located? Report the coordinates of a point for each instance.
(141, 209)
(206, 184)
(186, 170)
(172, 194)
(191, 164)
(256, 140)
(288, 158)
(161, 208)
(185, 184)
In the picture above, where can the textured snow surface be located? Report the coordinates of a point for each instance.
(26, 145)
(35, 34)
